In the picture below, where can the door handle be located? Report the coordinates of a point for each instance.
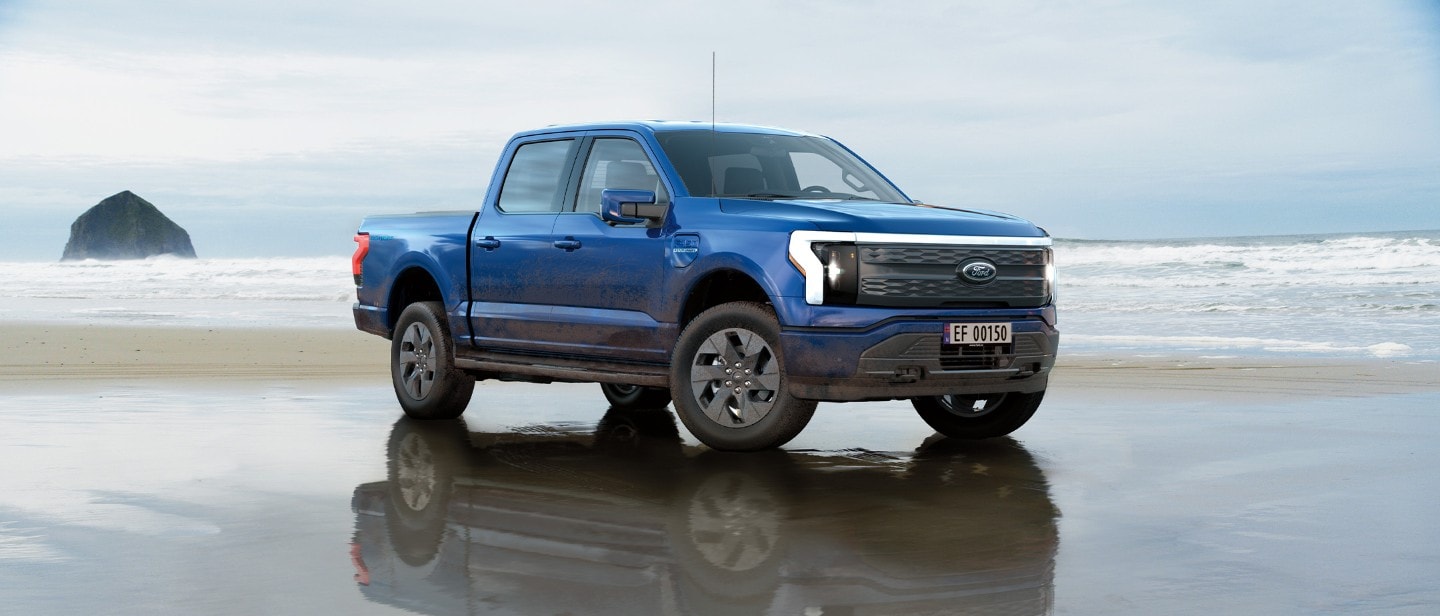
(488, 243)
(568, 243)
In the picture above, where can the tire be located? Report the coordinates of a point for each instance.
(974, 417)
(748, 409)
(422, 365)
(630, 397)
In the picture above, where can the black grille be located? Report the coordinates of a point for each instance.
(957, 357)
(974, 358)
(903, 287)
(943, 255)
(923, 349)
(928, 276)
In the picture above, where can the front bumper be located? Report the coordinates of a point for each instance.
(905, 359)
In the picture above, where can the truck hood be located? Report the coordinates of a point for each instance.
(879, 217)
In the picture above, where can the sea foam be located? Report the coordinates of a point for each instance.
(1365, 295)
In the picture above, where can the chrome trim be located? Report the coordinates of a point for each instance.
(952, 240)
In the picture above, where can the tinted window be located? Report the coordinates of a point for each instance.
(534, 183)
(617, 163)
(764, 166)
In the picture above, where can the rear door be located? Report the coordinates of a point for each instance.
(511, 290)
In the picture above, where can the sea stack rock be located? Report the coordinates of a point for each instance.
(124, 226)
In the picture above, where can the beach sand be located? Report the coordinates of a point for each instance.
(48, 355)
(51, 355)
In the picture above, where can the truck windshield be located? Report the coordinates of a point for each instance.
(764, 166)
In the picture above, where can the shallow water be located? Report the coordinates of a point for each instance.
(149, 499)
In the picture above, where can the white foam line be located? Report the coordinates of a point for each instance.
(1382, 349)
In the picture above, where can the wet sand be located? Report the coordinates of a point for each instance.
(36, 353)
(161, 470)
(47, 354)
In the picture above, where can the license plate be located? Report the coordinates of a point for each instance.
(977, 333)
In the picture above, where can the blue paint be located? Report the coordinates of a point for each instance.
(613, 289)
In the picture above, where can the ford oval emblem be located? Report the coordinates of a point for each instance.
(978, 271)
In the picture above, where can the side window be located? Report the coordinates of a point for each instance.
(616, 163)
(534, 183)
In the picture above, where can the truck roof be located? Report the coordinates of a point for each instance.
(662, 126)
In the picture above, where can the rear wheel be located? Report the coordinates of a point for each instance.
(625, 397)
(422, 365)
(976, 417)
(728, 380)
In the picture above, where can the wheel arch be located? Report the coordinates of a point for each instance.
(719, 286)
(414, 283)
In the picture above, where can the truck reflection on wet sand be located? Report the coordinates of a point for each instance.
(627, 519)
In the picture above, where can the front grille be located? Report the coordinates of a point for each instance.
(951, 255)
(957, 357)
(974, 358)
(927, 350)
(928, 276)
(909, 287)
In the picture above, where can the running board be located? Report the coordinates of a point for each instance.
(639, 375)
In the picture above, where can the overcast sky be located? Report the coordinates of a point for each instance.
(271, 127)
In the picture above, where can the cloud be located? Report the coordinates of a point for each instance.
(1065, 112)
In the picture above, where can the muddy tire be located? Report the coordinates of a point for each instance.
(728, 380)
(976, 417)
(422, 365)
(629, 397)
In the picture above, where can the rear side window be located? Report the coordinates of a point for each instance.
(534, 182)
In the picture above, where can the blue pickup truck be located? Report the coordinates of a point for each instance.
(741, 273)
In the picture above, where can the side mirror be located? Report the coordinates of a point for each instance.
(630, 207)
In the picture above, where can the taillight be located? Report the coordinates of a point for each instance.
(358, 259)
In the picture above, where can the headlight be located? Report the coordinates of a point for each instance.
(842, 272)
(810, 252)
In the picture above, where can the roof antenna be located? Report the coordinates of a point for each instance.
(712, 91)
(709, 162)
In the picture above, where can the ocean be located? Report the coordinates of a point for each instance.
(1340, 295)
(1370, 294)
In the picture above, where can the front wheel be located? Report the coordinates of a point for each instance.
(422, 365)
(728, 380)
(977, 416)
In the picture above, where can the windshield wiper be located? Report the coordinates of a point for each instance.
(763, 195)
(815, 196)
